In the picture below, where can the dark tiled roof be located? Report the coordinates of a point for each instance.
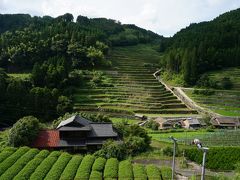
(102, 130)
(47, 138)
(225, 120)
(84, 128)
(77, 119)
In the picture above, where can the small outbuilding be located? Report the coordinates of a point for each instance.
(163, 123)
(191, 123)
(224, 122)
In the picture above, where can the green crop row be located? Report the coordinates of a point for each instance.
(99, 164)
(96, 175)
(6, 153)
(12, 171)
(58, 167)
(125, 171)
(71, 168)
(153, 172)
(139, 172)
(27, 171)
(111, 169)
(7, 163)
(45, 166)
(85, 167)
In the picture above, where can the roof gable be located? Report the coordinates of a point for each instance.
(74, 121)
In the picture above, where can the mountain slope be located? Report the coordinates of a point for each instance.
(204, 46)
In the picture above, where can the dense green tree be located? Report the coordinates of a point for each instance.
(24, 131)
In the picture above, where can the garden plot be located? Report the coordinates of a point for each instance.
(25, 163)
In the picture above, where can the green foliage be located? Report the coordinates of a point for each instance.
(125, 171)
(99, 164)
(153, 172)
(64, 105)
(71, 168)
(166, 172)
(152, 125)
(135, 140)
(58, 167)
(96, 175)
(85, 167)
(203, 47)
(222, 158)
(111, 169)
(42, 170)
(139, 172)
(226, 83)
(26, 172)
(205, 92)
(8, 162)
(6, 153)
(24, 131)
(19, 164)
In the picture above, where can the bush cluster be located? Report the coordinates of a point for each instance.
(71, 168)
(222, 158)
(58, 167)
(139, 172)
(85, 167)
(26, 172)
(153, 172)
(45, 166)
(125, 171)
(6, 153)
(12, 171)
(111, 169)
(7, 163)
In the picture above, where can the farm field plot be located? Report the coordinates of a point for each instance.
(216, 138)
(26, 163)
(134, 89)
(224, 102)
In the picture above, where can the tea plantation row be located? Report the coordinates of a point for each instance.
(26, 163)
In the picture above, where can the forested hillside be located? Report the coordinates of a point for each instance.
(49, 50)
(203, 47)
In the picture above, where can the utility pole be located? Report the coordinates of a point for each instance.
(174, 155)
(205, 150)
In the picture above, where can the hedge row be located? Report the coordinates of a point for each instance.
(58, 167)
(19, 164)
(99, 164)
(125, 171)
(220, 158)
(85, 167)
(6, 153)
(96, 175)
(153, 172)
(45, 166)
(166, 172)
(71, 168)
(139, 172)
(27, 171)
(111, 169)
(7, 163)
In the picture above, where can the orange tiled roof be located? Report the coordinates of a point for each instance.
(47, 138)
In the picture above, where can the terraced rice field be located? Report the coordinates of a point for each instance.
(224, 102)
(25, 163)
(134, 90)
